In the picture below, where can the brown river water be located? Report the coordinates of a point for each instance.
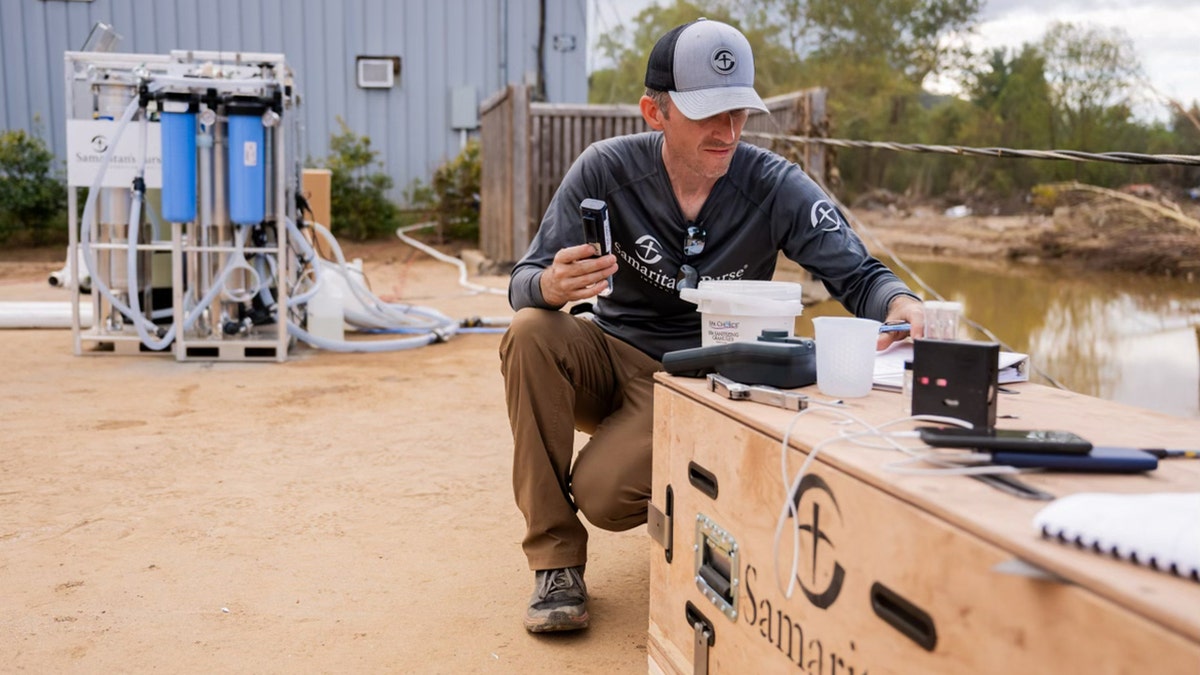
(1127, 338)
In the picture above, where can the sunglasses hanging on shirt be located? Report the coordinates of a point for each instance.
(693, 245)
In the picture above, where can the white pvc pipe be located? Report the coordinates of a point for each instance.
(42, 314)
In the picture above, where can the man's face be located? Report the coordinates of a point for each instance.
(701, 147)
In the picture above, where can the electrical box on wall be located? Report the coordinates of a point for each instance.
(464, 108)
(378, 72)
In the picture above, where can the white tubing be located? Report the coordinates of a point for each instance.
(384, 314)
(307, 255)
(89, 209)
(131, 273)
(366, 345)
(62, 278)
(42, 314)
(462, 267)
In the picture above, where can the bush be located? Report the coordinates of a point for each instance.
(33, 199)
(452, 200)
(358, 198)
(456, 190)
(360, 206)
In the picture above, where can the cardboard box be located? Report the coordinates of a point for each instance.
(316, 185)
(892, 573)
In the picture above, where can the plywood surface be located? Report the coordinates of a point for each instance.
(999, 519)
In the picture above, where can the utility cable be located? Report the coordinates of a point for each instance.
(1007, 153)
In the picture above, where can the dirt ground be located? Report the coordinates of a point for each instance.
(334, 513)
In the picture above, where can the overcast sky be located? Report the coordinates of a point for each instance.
(1165, 33)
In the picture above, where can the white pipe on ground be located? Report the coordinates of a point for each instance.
(42, 314)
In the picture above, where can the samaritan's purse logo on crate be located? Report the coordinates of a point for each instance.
(826, 574)
(807, 558)
(814, 567)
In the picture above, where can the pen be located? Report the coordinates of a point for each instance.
(893, 327)
(1162, 453)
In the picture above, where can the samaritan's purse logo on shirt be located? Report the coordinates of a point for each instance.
(825, 216)
(648, 249)
(644, 258)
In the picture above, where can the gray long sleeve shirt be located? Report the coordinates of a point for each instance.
(763, 205)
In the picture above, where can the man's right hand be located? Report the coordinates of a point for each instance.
(575, 275)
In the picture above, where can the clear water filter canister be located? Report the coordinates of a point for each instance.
(178, 128)
(247, 178)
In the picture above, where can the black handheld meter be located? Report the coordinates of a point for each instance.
(596, 232)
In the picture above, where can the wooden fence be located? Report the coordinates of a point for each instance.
(527, 147)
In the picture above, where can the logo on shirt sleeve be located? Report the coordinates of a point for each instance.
(825, 216)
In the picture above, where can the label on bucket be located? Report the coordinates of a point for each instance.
(727, 329)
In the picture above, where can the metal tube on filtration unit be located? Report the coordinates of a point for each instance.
(202, 269)
(247, 178)
(112, 228)
(221, 232)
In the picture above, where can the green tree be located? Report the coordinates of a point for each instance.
(1012, 99)
(1092, 74)
(1074, 88)
(909, 35)
(33, 200)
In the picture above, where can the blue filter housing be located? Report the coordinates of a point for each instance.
(247, 176)
(178, 166)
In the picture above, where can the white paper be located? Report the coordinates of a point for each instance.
(889, 366)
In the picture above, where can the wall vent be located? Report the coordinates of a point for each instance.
(378, 72)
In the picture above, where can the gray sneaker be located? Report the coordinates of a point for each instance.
(559, 601)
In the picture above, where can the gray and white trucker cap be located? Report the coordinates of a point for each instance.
(707, 67)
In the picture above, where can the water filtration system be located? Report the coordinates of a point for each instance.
(192, 238)
(191, 166)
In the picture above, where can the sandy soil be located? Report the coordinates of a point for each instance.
(335, 513)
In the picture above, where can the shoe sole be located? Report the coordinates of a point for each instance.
(556, 622)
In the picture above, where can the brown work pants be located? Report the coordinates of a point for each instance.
(563, 373)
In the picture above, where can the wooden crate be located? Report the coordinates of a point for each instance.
(896, 573)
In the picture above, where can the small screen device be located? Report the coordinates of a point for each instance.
(1008, 440)
(596, 231)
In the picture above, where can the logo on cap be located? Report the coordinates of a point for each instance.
(723, 61)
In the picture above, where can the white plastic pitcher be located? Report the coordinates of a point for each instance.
(845, 355)
(739, 311)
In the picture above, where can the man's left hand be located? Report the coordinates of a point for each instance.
(903, 309)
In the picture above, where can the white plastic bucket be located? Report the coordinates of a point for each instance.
(739, 311)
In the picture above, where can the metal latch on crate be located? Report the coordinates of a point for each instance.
(700, 645)
(704, 636)
(757, 393)
(658, 523)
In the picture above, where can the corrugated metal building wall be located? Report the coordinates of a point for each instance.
(443, 45)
